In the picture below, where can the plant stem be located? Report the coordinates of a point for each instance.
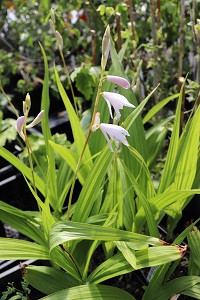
(94, 59)
(68, 77)
(155, 51)
(10, 103)
(181, 38)
(119, 37)
(132, 19)
(85, 144)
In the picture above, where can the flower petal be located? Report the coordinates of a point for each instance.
(19, 126)
(119, 81)
(117, 101)
(116, 133)
(36, 120)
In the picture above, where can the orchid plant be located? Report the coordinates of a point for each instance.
(119, 206)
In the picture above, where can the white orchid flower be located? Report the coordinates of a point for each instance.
(115, 132)
(21, 120)
(117, 101)
(119, 81)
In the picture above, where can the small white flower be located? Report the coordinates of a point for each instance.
(119, 81)
(117, 101)
(21, 120)
(116, 133)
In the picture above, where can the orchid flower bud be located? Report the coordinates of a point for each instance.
(96, 124)
(105, 47)
(52, 25)
(119, 81)
(59, 39)
(36, 120)
(117, 101)
(27, 104)
(52, 13)
(19, 126)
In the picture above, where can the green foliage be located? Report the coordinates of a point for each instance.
(119, 207)
(23, 294)
(85, 79)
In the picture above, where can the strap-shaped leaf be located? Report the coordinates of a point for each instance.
(91, 292)
(48, 280)
(62, 232)
(21, 221)
(19, 249)
(12, 159)
(78, 133)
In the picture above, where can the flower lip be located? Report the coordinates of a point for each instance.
(117, 101)
(119, 81)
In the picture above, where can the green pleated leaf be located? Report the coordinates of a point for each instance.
(134, 114)
(91, 292)
(194, 243)
(63, 259)
(176, 286)
(161, 202)
(158, 107)
(188, 154)
(78, 133)
(92, 185)
(22, 222)
(148, 208)
(193, 291)
(47, 279)
(144, 172)
(127, 261)
(163, 272)
(66, 231)
(12, 159)
(168, 172)
(21, 250)
(71, 159)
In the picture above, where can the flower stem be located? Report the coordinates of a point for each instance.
(85, 144)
